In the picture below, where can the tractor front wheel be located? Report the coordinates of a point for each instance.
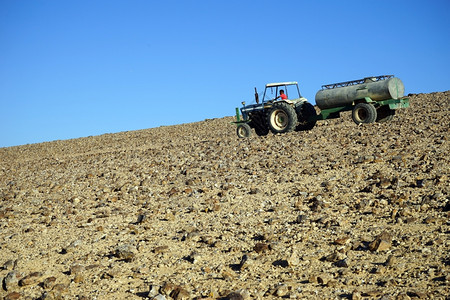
(243, 130)
(364, 113)
(282, 118)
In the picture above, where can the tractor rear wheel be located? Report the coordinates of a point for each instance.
(243, 130)
(306, 114)
(364, 113)
(282, 118)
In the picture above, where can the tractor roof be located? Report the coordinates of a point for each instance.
(281, 84)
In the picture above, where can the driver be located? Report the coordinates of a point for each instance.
(282, 95)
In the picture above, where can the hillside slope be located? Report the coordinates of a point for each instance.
(191, 211)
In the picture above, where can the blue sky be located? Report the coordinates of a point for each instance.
(72, 69)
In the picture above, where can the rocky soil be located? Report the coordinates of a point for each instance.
(192, 212)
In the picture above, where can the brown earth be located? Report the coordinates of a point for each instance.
(191, 211)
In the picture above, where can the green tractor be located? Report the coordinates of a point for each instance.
(281, 110)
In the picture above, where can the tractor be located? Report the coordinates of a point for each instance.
(275, 114)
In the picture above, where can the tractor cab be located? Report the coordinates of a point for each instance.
(272, 91)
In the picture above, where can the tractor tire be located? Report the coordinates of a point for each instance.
(243, 130)
(364, 113)
(306, 114)
(259, 123)
(262, 130)
(282, 118)
(384, 114)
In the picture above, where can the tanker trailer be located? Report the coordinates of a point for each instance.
(371, 99)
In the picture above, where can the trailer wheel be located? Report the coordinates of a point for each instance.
(306, 114)
(384, 114)
(364, 113)
(244, 130)
(282, 118)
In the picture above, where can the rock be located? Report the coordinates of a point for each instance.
(282, 290)
(160, 249)
(343, 263)
(261, 247)
(49, 282)
(13, 296)
(391, 261)
(72, 246)
(30, 279)
(312, 278)
(168, 288)
(180, 294)
(244, 263)
(76, 269)
(79, 278)
(342, 241)
(125, 252)
(141, 219)
(430, 220)
(10, 265)
(334, 257)
(154, 290)
(379, 245)
(59, 291)
(234, 296)
(194, 257)
(11, 280)
(301, 219)
(356, 295)
(323, 279)
(381, 242)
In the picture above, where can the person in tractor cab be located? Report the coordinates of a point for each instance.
(282, 95)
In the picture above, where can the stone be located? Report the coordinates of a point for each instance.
(77, 269)
(49, 282)
(356, 295)
(11, 280)
(234, 296)
(294, 259)
(79, 278)
(301, 219)
(13, 296)
(30, 279)
(342, 241)
(125, 252)
(261, 247)
(391, 261)
(282, 290)
(154, 290)
(323, 279)
(167, 288)
(141, 219)
(160, 249)
(381, 242)
(180, 294)
(10, 265)
(343, 263)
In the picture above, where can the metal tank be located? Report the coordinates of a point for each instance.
(345, 93)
